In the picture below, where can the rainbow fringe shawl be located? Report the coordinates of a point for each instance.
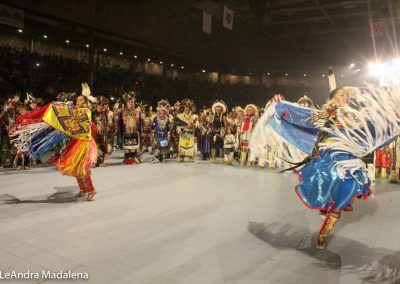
(58, 133)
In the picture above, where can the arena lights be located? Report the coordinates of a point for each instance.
(268, 73)
(204, 71)
(286, 74)
(323, 75)
(44, 36)
(305, 75)
(105, 49)
(161, 62)
(388, 73)
(148, 59)
(87, 45)
(37, 64)
(121, 53)
(182, 67)
(172, 65)
(135, 56)
(352, 65)
(20, 31)
(67, 41)
(375, 69)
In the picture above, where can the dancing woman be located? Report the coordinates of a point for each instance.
(62, 134)
(330, 142)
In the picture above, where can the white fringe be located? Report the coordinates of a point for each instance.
(350, 167)
(372, 105)
(23, 136)
(264, 139)
(379, 107)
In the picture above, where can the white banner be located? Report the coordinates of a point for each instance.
(11, 17)
(228, 18)
(207, 20)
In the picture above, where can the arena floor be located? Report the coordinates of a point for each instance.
(190, 223)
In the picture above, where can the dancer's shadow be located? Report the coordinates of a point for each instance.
(62, 195)
(371, 265)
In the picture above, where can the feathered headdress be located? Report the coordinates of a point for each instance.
(163, 105)
(221, 104)
(87, 93)
(331, 79)
(254, 108)
(129, 96)
(30, 98)
(188, 103)
(236, 109)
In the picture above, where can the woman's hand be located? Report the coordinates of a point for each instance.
(278, 98)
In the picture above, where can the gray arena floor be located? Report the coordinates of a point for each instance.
(190, 223)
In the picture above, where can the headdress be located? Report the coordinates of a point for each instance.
(188, 103)
(163, 105)
(221, 104)
(30, 99)
(129, 96)
(255, 109)
(87, 93)
(236, 109)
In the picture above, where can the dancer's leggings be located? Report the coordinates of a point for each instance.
(85, 184)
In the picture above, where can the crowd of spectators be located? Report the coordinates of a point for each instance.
(47, 75)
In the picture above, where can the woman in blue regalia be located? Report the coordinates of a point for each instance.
(326, 183)
(330, 142)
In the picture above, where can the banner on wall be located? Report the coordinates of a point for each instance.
(377, 28)
(228, 18)
(207, 20)
(11, 17)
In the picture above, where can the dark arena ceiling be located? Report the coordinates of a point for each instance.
(284, 35)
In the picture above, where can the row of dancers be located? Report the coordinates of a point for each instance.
(324, 147)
